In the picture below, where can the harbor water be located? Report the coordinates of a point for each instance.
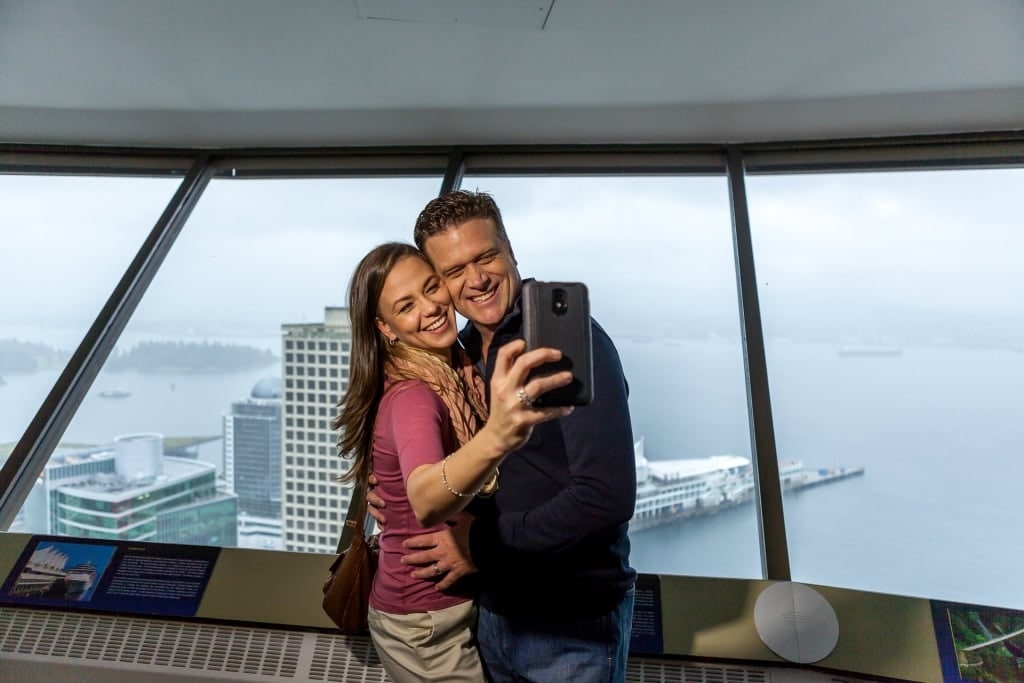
(939, 431)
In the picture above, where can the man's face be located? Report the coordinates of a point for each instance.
(478, 268)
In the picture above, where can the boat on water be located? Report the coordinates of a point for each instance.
(115, 393)
(672, 490)
(869, 350)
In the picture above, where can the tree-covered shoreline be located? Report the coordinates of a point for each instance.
(181, 356)
(18, 357)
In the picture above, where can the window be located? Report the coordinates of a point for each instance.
(894, 327)
(205, 345)
(65, 242)
(657, 257)
(892, 314)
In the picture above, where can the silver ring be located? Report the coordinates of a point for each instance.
(524, 397)
(437, 570)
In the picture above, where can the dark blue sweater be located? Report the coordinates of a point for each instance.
(552, 542)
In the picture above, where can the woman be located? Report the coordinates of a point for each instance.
(415, 417)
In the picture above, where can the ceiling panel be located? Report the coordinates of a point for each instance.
(324, 72)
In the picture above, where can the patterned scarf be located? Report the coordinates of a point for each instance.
(458, 385)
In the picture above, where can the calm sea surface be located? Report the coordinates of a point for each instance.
(940, 433)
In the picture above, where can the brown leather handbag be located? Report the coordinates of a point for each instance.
(347, 589)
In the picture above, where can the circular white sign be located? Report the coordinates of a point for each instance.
(796, 622)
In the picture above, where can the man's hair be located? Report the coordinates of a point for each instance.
(455, 208)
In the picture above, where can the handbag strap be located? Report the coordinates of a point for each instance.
(356, 516)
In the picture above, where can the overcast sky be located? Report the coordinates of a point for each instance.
(654, 251)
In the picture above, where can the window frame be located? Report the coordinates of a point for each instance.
(195, 167)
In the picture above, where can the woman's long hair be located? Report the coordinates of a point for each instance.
(358, 407)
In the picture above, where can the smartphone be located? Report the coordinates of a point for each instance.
(557, 315)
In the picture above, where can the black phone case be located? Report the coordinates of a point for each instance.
(568, 331)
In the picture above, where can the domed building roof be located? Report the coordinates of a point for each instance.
(268, 387)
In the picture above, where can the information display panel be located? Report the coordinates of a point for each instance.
(110, 576)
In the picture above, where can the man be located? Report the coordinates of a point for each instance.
(551, 545)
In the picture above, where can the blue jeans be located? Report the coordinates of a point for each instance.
(518, 650)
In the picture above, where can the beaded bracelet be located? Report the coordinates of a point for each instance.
(444, 480)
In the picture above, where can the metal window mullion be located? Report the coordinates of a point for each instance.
(708, 160)
(768, 491)
(453, 174)
(91, 163)
(297, 164)
(996, 150)
(44, 432)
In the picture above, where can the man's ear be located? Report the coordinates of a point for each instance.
(385, 329)
(511, 253)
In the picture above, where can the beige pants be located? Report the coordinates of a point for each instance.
(428, 646)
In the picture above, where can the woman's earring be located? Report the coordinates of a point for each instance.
(392, 341)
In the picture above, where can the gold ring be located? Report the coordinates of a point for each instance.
(524, 397)
(437, 570)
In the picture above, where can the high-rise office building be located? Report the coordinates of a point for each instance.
(315, 368)
(252, 450)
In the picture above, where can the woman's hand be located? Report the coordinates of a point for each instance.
(512, 413)
(438, 490)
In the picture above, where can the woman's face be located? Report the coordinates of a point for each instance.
(415, 307)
